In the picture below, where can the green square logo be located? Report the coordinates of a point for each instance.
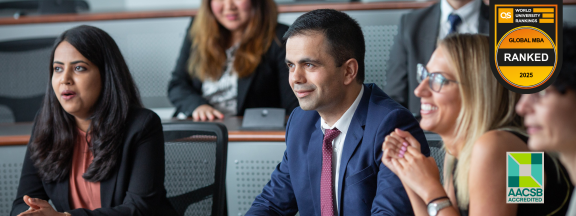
(513, 181)
(525, 177)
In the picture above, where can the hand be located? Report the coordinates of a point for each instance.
(419, 172)
(413, 167)
(393, 147)
(39, 207)
(206, 112)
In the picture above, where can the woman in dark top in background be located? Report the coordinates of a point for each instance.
(550, 115)
(94, 150)
(232, 59)
(464, 103)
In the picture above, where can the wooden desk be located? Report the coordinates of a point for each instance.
(19, 133)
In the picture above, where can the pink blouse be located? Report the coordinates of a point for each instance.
(83, 194)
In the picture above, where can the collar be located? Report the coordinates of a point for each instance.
(344, 122)
(468, 12)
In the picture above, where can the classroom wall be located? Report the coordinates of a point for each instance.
(151, 46)
(132, 5)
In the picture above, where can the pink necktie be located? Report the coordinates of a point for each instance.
(326, 185)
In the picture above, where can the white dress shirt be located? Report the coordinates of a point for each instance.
(338, 142)
(470, 13)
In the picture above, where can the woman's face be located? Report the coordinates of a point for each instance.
(232, 14)
(76, 81)
(439, 110)
(550, 120)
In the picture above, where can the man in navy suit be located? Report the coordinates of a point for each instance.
(332, 165)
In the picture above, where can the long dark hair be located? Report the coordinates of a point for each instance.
(55, 132)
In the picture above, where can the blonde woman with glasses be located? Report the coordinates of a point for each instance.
(474, 115)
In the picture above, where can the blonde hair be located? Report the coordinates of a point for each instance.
(486, 105)
(210, 39)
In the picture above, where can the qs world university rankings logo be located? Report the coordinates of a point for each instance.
(525, 177)
(526, 42)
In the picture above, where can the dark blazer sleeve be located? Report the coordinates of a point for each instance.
(391, 197)
(146, 191)
(277, 197)
(397, 68)
(30, 184)
(184, 92)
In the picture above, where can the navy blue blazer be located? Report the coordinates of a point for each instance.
(365, 186)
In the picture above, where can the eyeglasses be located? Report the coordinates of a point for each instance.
(536, 97)
(436, 81)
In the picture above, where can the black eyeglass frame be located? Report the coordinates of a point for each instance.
(422, 74)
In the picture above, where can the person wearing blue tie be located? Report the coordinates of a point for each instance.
(418, 33)
(332, 163)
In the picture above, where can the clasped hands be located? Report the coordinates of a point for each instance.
(403, 156)
(39, 207)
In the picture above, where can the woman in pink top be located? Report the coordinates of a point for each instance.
(94, 150)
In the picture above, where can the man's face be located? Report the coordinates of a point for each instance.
(314, 77)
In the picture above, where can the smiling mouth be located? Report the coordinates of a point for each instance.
(532, 129)
(427, 108)
(231, 17)
(301, 94)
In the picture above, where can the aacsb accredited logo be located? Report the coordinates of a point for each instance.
(526, 43)
(525, 177)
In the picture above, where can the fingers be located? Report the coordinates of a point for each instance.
(414, 151)
(403, 162)
(206, 113)
(385, 156)
(390, 145)
(397, 137)
(209, 116)
(26, 199)
(408, 155)
(394, 144)
(31, 213)
(391, 153)
(397, 164)
(388, 155)
(40, 203)
(213, 114)
(408, 137)
(403, 150)
(195, 116)
(412, 154)
(202, 115)
(29, 202)
(218, 114)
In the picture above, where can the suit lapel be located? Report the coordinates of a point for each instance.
(484, 19)
(353, 137)
(429, 33)
(315, 164)
(243, 87)
(63, 188)
(107, 188)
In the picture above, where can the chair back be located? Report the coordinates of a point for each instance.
(196, 167)
(436, 151)
(24, 76)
